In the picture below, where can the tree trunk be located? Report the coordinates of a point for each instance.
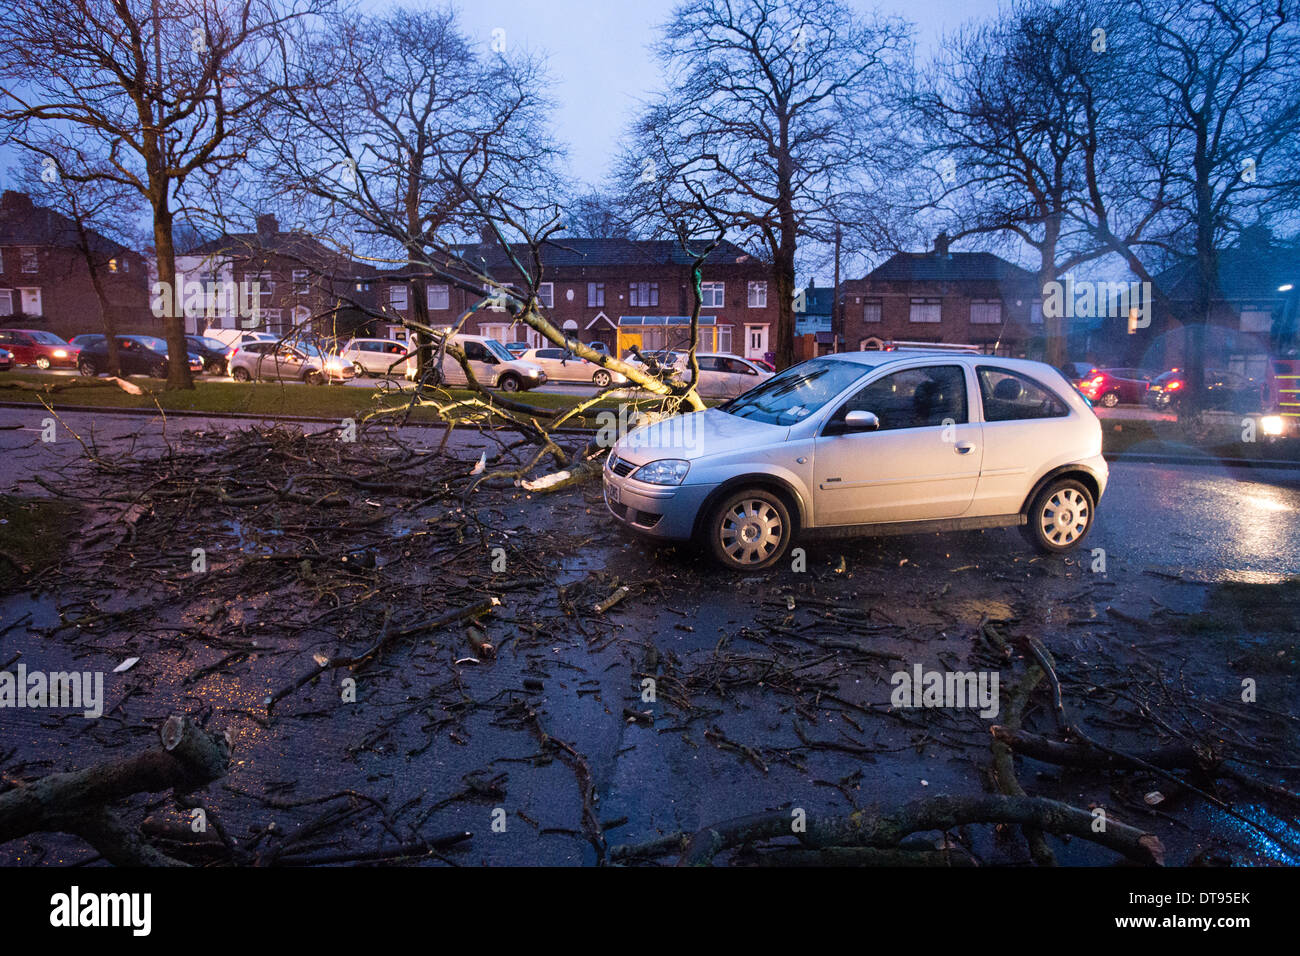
(97, 282)
(178, 366)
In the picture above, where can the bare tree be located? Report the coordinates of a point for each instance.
(145, 95)
(773, 111)
(1203, 145)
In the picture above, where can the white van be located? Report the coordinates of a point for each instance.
(491, 362)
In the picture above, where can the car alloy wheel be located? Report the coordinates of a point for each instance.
(87, 368)
(241, 375)
(314, 377)
(600, 379)
(359, 369)
(1110, 399)
(750, 530)
(1061, 516)
(42, 363)
(509, 383)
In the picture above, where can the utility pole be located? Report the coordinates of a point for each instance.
(836, 318)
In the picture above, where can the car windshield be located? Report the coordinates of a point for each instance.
(47, 338)
(207, 343)
(791, 396)
(151, 342)
(499, 350)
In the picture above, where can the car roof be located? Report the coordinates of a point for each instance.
(878, 358)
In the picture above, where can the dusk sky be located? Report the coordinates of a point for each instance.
(600, 59)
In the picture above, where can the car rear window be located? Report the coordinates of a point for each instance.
(1011, 396)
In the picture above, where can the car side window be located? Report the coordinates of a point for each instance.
(1009, 396)
(476, 352)
(913, 398)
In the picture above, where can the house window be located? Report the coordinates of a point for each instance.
(273, 321)
(1036, 312)
(498, 331)
(643, 294)
(31, 263)
(439, 297)
(985, 311)
(301, 317)
(6, 302)
(300, 281)
(871, 310)
(31, 301)
(1255, 319)
(926, 310)
(758, 295)
(397, 297)
(546, 295)
(595, 295)
(724, 338)
(712, 294)
(118, 265)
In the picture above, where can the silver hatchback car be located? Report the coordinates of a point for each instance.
(868, 443)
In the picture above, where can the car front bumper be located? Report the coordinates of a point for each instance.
(658, 511)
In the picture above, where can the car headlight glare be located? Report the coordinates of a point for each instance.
(60, 353)
(1271, 425)
(666, 471)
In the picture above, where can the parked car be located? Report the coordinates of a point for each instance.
(561, 365)
(1224, 391)
(214, 353)
(492, 364)
(867, 443)
(1114, 386)
(287, 362)
(6, 360)
(517, 349)
(722, 375)
(38, 347)
(136, 355)
(1076, 373)
(376, 356)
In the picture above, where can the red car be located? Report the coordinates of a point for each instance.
(38, 347)
(1111, 386)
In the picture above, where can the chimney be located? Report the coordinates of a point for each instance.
(267, 227)
(941, 245)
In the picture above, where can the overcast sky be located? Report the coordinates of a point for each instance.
(599, 56)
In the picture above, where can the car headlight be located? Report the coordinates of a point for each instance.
(1271, 425)
(534, 372)
(60, 353)
(666, 471)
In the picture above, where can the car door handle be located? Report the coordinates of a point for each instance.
(964, 447)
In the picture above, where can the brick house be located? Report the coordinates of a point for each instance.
(274, 281)
(970, 298)
(617, 291)
(45, 282)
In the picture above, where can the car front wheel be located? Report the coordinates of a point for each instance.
(42, 363)
(240, 374)
(601, 379)
(749, 530)
(509, 383)
(87, 367)
(1060, 517)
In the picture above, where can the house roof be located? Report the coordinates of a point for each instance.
(1252, 270)
(22, 222)
(954, 267)
(291, 245)
(561, 253)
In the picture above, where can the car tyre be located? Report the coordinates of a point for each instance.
(314, 377)
(1110, 399)
(42, 363)
(601, 379)
(359, 369)
(240, 374)
(1060, 516)
(87, 368)
(157, 370)
(749, 530)
(510, 382)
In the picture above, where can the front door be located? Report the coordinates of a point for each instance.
(922, 463)
(755, 341)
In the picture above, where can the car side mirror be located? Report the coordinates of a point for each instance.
(860, 421)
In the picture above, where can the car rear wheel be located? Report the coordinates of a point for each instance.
(601, 379)
(1060, 517)
(1110, 399)
(42, 363)
(749, 530)
(87, 367)
(240, 374)
(509, 382)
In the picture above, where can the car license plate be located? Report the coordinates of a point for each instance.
(611, 494)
